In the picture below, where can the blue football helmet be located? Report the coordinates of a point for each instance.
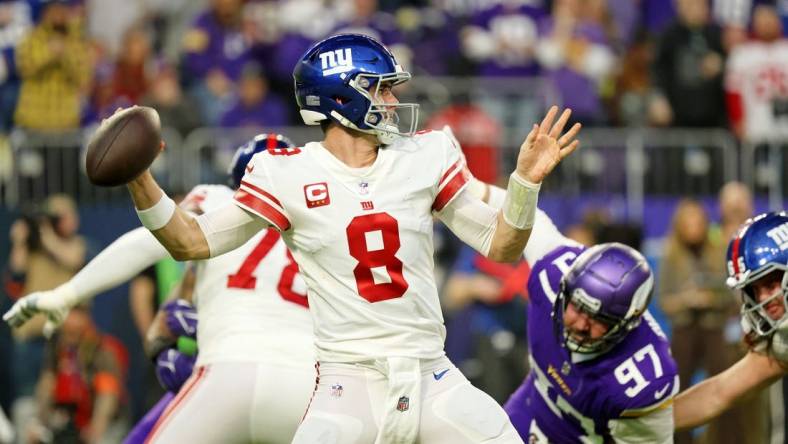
(759, 248)
(245, 152)
(613, 284)
(340, 78)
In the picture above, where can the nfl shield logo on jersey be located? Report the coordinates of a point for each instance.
(403, 404)
(316, 195)
(336, 390)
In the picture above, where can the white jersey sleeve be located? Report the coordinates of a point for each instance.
(653, 428)
(454, 176)
(139, 249)
(136, 250)
(545, 238)
(472, 220)
(258, 195)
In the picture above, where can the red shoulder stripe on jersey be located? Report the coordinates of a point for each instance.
(450, 170)
(261, 191)
(185, 391)
(735, 255)
(449, 191)
(262, 208)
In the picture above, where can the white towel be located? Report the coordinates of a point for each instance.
(402, 410)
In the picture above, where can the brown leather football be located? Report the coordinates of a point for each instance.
(124, 146)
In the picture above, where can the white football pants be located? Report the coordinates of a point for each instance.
(237, 402)
(351, 399)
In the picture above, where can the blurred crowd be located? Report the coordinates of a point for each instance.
(66, 64)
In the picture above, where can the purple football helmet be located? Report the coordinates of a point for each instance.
(610, 282)
(759, 248)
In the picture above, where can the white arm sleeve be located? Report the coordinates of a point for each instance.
(135, 250)
(545, 237)
(228, 227)
(653, 428)
(472, 220)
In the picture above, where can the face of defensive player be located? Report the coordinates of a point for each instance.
(769, 288)
(581, 326)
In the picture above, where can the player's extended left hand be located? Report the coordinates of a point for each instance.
(50, 303)
(545, 147)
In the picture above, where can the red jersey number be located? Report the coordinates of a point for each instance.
(244, 278)
(368, 259)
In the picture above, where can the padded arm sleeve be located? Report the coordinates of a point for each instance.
(472, 220)
(228, 227)
(545, 237)
(653, 428)
(136, 250)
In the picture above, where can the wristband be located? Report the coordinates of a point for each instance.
(519, 206)
(157, 216)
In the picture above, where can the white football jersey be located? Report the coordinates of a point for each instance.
(251, 302)
(758, 72)
(363, 240)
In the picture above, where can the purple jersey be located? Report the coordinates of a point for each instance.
(564, 401)
(514, 29)
(210, 45)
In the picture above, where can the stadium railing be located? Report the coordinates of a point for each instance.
(629, 162)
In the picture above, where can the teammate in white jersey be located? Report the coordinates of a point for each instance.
(255, 372)
(356, 211)
(758, 268)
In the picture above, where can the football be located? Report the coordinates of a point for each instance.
(124, 146)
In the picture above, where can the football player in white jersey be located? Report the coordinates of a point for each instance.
(356, 211)
(757, 268)
(255, 372)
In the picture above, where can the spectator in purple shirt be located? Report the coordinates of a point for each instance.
(367, 19)
(256, 105)
(575, 52)
(216, 50)
(502, 39)
(215, 42)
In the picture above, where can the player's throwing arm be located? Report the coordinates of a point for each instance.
(122, 151)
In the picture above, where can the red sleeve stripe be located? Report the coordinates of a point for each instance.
(450, 190)
(261, 191)
(735, 255)
(457, 165)
(262, 208)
